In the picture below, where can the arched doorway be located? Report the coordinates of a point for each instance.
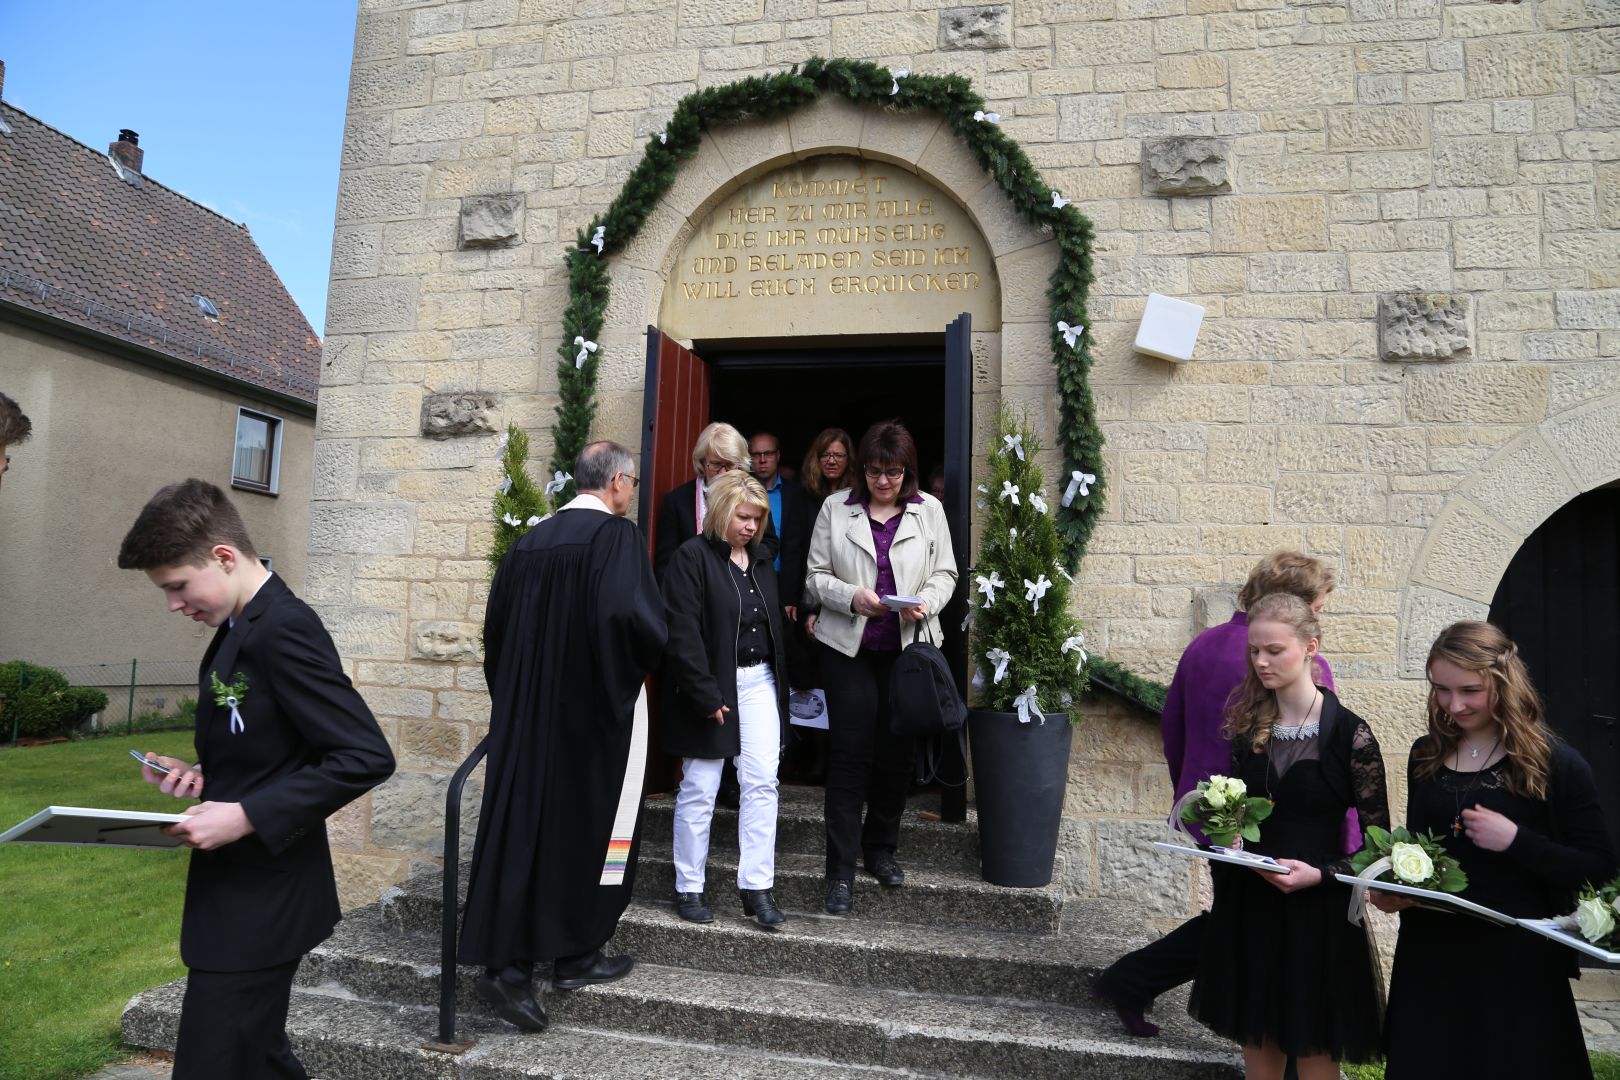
(1560, 601)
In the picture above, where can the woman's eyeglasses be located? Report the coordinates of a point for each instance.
(833, 455)
(891, 475)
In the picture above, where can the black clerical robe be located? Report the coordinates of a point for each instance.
(573, 625)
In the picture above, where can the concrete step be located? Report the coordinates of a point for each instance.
(798, 1019)
(344, 1039)
(801, 829)
(933, 896)
(372, 961)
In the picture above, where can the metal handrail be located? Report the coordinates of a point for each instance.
(452, 875)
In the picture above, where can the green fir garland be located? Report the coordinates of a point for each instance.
(864, 83)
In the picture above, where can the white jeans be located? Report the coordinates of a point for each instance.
(760, 729)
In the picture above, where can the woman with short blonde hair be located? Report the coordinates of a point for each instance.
(725, 694)
(719, 443)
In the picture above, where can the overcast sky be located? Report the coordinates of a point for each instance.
(239, 105)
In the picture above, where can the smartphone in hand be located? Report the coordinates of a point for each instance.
(154, 766)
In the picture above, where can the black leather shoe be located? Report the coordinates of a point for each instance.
(513, 1003)
(883, 867)
(689, 906)
(840, 896)
(598, 969)
(729, 796)
(760, 905)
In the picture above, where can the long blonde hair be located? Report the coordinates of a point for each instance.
(1483, 648)
(1251, 711)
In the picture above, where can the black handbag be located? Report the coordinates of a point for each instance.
(923, 699)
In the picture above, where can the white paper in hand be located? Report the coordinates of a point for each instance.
(900, 603)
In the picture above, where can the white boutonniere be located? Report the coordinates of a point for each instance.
(230, 696)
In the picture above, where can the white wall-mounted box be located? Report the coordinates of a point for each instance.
(1169, 328)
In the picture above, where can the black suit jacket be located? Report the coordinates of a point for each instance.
(677, 523)
(308, 746)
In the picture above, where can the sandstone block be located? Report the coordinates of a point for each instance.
(349, 529)
(1130, 868)
(1389, 127)
(1213, 607)
(446, 415)
(391, 84)
(1265, 224)
(982, 27)
(1291, 78)
(407, 812)
(1379, 558)
(1425, 326)
(491, 220)
(1481, 395)
(362, 879)
(1588, 309)
(1286, 273)
(446, 641)
(1523, 484)
(369, 410)
(365, 633)
(1595, 51)
(1497, 242)
(1516, 67)
(439, 123)
(381, 194)
(1475, 161)
(1467, 552)
(1185, 165)
(1396, 271)
(1589, 439)
(900, 34)
(336, 465)
(1091, 44)
(576, 39)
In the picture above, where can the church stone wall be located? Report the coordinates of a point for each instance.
(1402, 217)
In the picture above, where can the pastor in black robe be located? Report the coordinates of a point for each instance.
(573, 625)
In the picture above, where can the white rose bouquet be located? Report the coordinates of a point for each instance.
(1417, 859)
(1595, 915)
(1225, 811)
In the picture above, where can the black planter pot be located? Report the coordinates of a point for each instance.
(1020, 772)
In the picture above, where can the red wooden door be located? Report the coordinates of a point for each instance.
(675, 409)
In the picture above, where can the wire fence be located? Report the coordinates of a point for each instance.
(147, 693)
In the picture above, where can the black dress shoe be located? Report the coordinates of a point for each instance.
(689, 906)
(840, 896)
(513, 1003)
(760, 905)
(596, 969)
(883, 867)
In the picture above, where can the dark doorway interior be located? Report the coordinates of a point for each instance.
(795, 394)
(1560, 601)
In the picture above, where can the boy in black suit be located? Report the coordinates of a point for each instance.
(286, 741)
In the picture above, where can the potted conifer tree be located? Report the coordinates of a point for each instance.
(1030, 666)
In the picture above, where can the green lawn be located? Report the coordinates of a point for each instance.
(1604, 1067)
(82, 931)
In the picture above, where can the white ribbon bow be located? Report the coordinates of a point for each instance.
(1071, 334)
(989, 585)
(663, 137)
(1066, 575)
(1009, 490)
(998, 657)
(902, 73)
(1038, 501)
(512, 520)
(1078, 482)
(506, 437)
(1058, 201)
(982, 491)
(1077, 643)
(1013, 531)
(1026, 704)
(535, 520)
(585, 349)
(1013, 444)
(237, 727)
(506, 485)
(599, 238)
(1034, 590)
(558, 481)
(981, 116)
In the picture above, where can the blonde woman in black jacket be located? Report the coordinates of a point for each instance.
(725, 692)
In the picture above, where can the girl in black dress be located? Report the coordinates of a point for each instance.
(1282, 971)
(1518, 810)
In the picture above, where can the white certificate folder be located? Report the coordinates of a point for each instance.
(97, 828)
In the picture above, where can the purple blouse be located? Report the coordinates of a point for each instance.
(882, 634)
(1195, 709)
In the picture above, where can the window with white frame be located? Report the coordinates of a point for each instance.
(256, 463)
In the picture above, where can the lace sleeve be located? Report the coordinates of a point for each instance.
(1371, 793)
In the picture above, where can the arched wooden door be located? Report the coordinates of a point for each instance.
(1560, 600)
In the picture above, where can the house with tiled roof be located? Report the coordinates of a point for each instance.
(148, 340)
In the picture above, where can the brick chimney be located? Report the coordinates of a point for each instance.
(2, 78)
(128, 150)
